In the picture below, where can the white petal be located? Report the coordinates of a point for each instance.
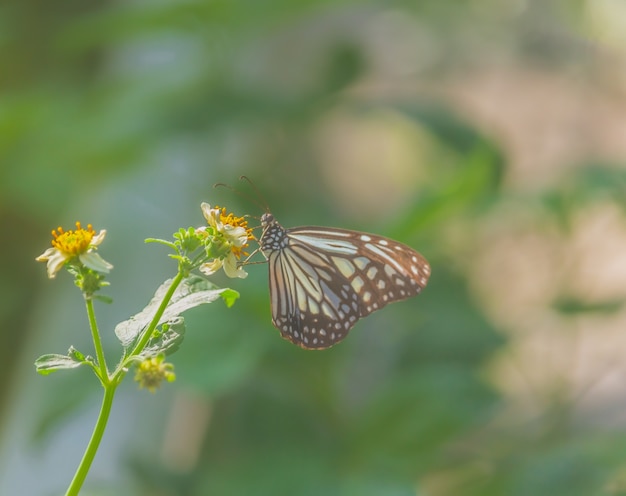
(55, 263)
(92, 260)
(211, 267)
(231, 268)
(212, 216)
(236, 235)
(98, 238)
(206, 209)
(46, 255)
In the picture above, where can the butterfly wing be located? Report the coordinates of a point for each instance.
(323, 280)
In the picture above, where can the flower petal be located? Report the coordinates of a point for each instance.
(212, 267)
(98, 238)
(212, 216)
(231, 269)
(45, 256)
(92, 260)
(55, 263)
(236, 235)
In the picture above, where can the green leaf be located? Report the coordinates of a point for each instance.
(229, 296)
(52, 362)
(77, 355)
(193, 291)
(103, 298)
(168, 339)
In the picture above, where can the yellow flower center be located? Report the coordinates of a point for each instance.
(238, 251)
(73, 242)
(232, 220)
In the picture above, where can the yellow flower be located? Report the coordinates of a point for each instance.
(235, 235)
(68, 245)
(153, 371)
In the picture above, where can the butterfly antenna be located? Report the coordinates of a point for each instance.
(242, 195)
(260, 199)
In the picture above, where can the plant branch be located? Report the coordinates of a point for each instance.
(94, 442)
(157, 316)
(97, 342)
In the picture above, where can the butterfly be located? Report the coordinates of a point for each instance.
(323, 280)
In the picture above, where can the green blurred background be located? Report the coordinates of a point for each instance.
(488, 134)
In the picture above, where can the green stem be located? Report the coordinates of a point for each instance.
(111, 383)
(94, 442)
(97, 342)
(141, 344)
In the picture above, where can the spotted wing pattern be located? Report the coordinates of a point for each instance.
(322, 280)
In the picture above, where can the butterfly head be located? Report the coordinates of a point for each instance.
(267, 220)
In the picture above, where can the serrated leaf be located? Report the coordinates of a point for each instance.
(193, 291)
(169, 338)
(46, 364)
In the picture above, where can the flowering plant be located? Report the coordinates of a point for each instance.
(157, 331)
